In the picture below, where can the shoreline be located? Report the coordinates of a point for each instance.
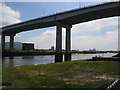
(75, 74)
(52, 52)
(36, 53)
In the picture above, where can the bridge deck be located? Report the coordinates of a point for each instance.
(69, 17)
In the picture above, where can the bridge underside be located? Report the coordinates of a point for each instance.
(70, 18)
(92, 16)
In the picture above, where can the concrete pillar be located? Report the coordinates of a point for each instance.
(3, 42)
(59, 39)
(68, 44)
(68, 39)
(58, 56)
(12, 42)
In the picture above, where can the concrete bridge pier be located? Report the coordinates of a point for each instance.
(68, 44)
(58, 56)
(12, 41)
(3, 42)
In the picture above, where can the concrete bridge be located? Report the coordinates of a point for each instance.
(64, 19)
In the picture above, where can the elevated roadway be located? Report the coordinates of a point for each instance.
(69, 17)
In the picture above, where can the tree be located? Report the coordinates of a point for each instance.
(52, 47)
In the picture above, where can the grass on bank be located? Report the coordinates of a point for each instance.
(75, 74)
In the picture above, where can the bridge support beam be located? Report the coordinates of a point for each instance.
(12, 42)
(58, 56)
(68, 45)
(59, 53)
(3, 42)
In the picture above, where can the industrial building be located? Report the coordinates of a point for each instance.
(27, 46)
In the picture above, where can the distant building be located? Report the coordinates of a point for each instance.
(27, 46)
(93, 50)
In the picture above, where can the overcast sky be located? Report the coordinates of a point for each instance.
(101, 34)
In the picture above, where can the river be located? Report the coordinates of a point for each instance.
(45, 59)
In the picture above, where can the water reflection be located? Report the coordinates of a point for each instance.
(26, 60)
(58, 57)
(45, 59)
(28, 57)
(67, 57)
(11, 61)
(8, 62)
